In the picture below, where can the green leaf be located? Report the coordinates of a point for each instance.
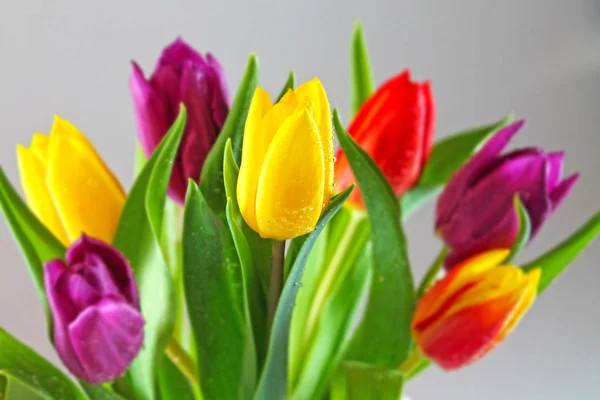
(99, 392)
(274, 380)
(383, 336)
(173, 385)
(156, 194)
(289, 85)
(356, 381)
(447, 156)
(362, 77)
(211, 180)
(17, 390)
(17, 361)
(346, 236)
(416, 197)
(213, 282)
(138, 237)
(451, 153)
(37, 244)
(334, 330)
(255, 297)
(261, 248)
(524, 229)
(555, 261)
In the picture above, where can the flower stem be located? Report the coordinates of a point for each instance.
(432, 272)
(184, 362)
(414, 364)
(276, 283)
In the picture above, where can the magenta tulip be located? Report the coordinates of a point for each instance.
(476, 212)
(182, 75)
(98, 326)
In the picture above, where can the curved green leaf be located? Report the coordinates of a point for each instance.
(18, 361)
(524, 229)
(156, 194)
(173, 385)
(362, 77)
(249, 256)
(37, 244)
(555, 261)
(383, 336)
(334, 330)
(274, 380)
(213, 287)
(211, 180)
(138, 238)
(357, 381)
(289, 85)
(99, 392)
(447, 156)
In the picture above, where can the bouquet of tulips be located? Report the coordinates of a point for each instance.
(252, 260)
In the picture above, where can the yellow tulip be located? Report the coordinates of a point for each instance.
(286, 175)
(68, 186)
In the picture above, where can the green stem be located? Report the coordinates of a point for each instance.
(276, 283)
(183, 361)
(414, 364)
(356, 234)
(432, 272)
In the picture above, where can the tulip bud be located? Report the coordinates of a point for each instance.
(98, 327)
(68, 186)
(182, 75)
(476, 210)
(395, 127)
(469, 311)
(286, 175)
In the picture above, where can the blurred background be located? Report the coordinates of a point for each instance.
(537, 58)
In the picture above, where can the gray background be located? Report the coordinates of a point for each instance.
(538, 58)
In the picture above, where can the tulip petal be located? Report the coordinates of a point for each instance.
(322, 115)
(86, 194)
(150, 111)
(178, 53)
(555, 169)
(220, 95)
(484, 207)
(120, 270)
(459, 276)
(465, 177)
(467, 335)
(563, 189)
(33, 180)
(252, 156)
(106, 338)
(528, 296)
(290, 188)
(63, 312)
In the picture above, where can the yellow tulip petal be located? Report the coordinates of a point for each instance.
(86, 194)
(290, 188)
(457, 278)
(492, 284)
(315, 91)
(39, 147)
(252, 156)
(33, 174)
(530, 284)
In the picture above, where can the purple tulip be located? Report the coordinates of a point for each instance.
(475, 212)
(98, 327)
(182, 75)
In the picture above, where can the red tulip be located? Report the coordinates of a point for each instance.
(395, 127)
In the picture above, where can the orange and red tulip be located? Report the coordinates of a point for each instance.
(465, 314)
